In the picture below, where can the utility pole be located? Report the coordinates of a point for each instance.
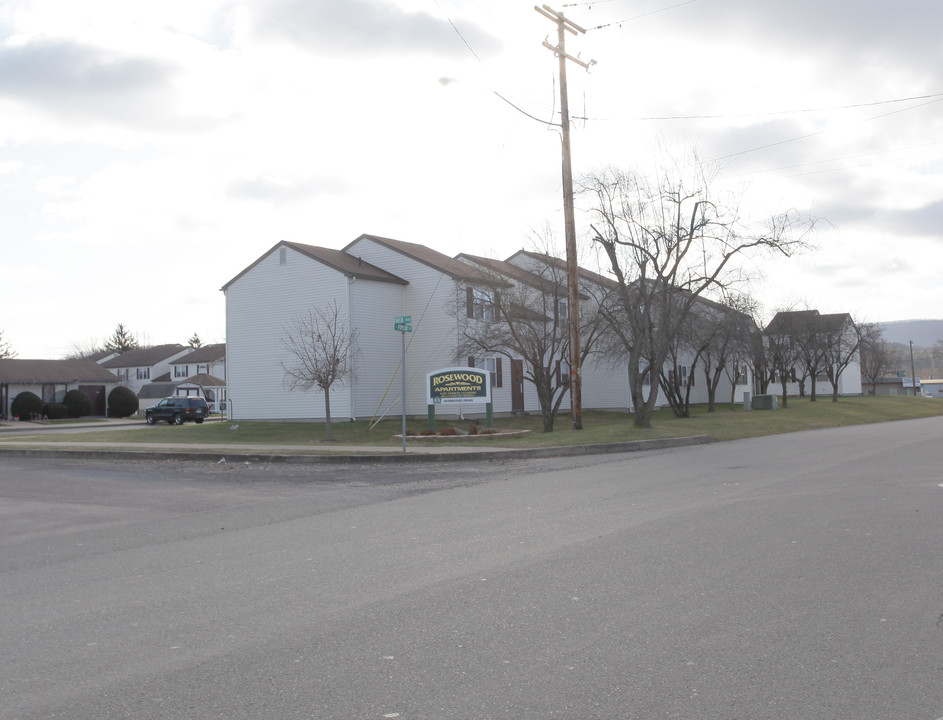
(572, 270)
(913, 372)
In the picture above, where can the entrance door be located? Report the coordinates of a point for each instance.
(97, 395)
(517, 386)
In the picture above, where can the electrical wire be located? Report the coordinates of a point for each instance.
(636, 17)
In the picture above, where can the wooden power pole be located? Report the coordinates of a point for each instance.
(572, 269)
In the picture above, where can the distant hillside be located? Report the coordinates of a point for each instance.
(924, 333)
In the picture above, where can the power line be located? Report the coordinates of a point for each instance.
(820, 132)
(458, 32)
(776, 112)
(636, 17)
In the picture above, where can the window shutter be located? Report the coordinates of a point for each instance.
(557, 371)
(469, 302)
(471, 361)
(497, 372)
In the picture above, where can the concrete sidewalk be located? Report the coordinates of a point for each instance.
(19, 441)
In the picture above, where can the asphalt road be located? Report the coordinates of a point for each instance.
(792, 577)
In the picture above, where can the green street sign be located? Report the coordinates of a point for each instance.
(403, 327)
(404, 320)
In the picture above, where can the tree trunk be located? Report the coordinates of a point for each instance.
(327, 414)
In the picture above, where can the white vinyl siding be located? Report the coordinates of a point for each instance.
(259, 307)
(428, 299)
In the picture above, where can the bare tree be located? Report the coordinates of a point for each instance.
(84, 349)
(6, 350)
(324, 349)
(783, 351)
(669, 240)
(810, 340)
(936, 355)
(728, 332)
(878, 357)
(523, 314)
(841, 340)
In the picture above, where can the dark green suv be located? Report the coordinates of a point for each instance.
(177, 410)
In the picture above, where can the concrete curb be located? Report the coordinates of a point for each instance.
(386, 457)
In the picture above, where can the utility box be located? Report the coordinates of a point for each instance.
(765, 402)
(746, 401)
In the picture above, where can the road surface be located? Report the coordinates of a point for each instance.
(790, 577)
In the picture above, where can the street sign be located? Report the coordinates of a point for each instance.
(404, 320)
(403, 327)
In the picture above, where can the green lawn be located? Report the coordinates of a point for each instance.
(599, 427)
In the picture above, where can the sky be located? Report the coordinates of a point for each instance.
(149, 152)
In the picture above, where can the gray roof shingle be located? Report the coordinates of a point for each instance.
(15, 370)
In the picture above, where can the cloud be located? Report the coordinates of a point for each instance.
(371, 27)
(926, 220)
(73, 81)
(47, 70)
(866, 29)
(281, 191)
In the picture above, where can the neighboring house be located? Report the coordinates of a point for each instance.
(931, 388)
(136, 368)
(206, 360)
(202, 372)
(904, 385)
(209, 387)
(819, 347)
(372, 281)
(52, 379)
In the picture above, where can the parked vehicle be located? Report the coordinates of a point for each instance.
(177, 410)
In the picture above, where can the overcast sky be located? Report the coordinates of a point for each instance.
(151, 151)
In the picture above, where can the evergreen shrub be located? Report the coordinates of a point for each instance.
(122, 402)
(26, 404)
(55, 411)
(78, 402)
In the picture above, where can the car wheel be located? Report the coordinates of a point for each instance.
(178, 419)
(151, 420)
(199, 422)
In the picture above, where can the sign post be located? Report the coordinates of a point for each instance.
(403, 325)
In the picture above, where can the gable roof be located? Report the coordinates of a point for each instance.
(794, 322)
(338, 260)
(519, 274)
(145, 357)
(156, 390)
(15, 370)
(101, 355)
(560, 264)
(205, 354)
(453, 267)
(203, 379)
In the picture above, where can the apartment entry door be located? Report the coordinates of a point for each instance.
(517, 386)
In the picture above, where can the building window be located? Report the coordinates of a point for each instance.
(282, 256)
(144, 373)
(205, 369)
(181, 371)
(563, 372)
(563, 310)
(492, 365)
(479, 303)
